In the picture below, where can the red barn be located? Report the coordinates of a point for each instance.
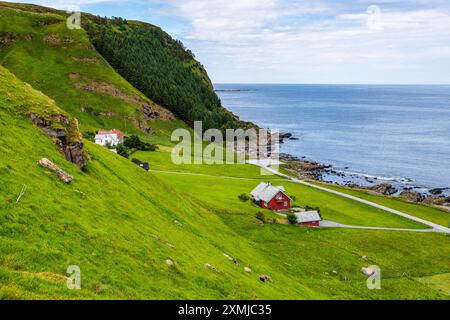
(308, 218)
(271, 197)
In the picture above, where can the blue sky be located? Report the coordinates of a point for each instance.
(301, 41)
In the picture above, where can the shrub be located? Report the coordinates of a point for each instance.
(134, 142)
(123, 151)
(135, 160)
(292, 218)
(243, 197)
(89, 135)
(261, 216)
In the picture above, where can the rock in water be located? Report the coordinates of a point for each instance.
(438, 191)
(64, 176)
(437, 200)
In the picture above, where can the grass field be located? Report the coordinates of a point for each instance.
(116, 222)
(120, 224)
(215, 189)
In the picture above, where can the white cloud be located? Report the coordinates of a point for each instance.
(305, 41)
(310, 40)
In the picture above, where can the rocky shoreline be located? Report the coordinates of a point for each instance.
(312, 170)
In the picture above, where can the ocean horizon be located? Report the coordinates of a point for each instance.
(393, 133)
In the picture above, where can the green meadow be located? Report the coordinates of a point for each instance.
(122, 225)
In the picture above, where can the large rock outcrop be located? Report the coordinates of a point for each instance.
(64, 131)
(412, 196)
(385, 189)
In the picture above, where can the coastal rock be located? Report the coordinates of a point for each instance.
(438, 191)
(437, 200)
(303, 168)
(412, 196)
(385, 189)
(284, 136)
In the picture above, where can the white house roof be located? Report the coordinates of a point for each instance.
(308, 216)
(266, 192)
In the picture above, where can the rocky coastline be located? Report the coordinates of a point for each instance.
(311, 170)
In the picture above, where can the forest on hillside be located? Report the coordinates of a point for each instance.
(161, 68)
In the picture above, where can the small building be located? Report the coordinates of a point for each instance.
(308, 218)
(109, 138)
(271, 197)
(143, 165)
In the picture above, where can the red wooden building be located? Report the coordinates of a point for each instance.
(309, 218)
(271, 197)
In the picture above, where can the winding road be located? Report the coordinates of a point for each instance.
(329, 224)
(434, 227)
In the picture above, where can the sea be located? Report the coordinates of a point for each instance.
(369, 133)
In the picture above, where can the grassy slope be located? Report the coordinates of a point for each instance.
(89, 224)
(216, 190)
(47, 66)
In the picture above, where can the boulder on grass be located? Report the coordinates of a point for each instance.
(64, 176)
(265, 278)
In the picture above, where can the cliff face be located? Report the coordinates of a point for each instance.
(19, 98)
(64, 131)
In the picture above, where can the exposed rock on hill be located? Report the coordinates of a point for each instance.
(64, 131)
(150, 111)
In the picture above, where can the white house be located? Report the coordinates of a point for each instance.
(109, 138)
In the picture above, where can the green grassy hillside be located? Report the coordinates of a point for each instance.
(121, 246)
(120, 224)
(39, 49)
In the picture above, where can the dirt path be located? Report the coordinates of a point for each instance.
(332, 224)
(213, 176)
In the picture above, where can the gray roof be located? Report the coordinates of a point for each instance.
(266, 192)
(308, 216)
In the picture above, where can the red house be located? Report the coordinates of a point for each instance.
(271, 197)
